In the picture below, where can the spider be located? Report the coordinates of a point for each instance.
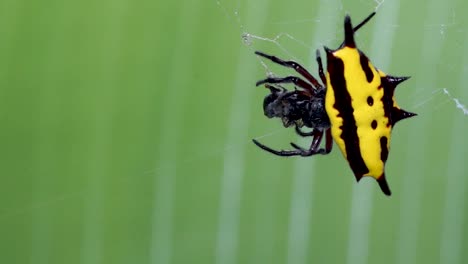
(300, 108)
(354, 105)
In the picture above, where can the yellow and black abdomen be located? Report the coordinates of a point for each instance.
(355, 104)
(362, 110)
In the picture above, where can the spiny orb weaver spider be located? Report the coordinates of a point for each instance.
(355, 106)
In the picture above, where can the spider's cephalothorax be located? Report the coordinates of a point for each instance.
(305, 107)
(357, 99)
(296, 108)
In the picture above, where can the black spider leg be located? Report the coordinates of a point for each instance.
(328, 141)
(302, 133)
(299, 151)
(289, 79)
(275, 88)
(320, 67)
(316, 141)
(356, 28)
(314, 145)
(363, 22)
(296, 66)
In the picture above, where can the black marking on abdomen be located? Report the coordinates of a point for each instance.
(370, 101)
(345, 110)
(387, 100)
(365, 67)
(374, 124)
(383, 149)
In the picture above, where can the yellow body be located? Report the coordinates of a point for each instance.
(364, 114)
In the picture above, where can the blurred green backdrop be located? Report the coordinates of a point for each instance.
(126, 129)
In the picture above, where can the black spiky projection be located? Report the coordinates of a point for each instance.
(390, 83)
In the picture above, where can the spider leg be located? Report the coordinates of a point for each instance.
(320, 67)
(356, 28)
(318, 135)
(314, 146)
(294, 145)
(304, 152)
(282, 153)
(328, 141)
(290, 79)
(296, 66)
(302, 133)
(275, 88)
(300, 151)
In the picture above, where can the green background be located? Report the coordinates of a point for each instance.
(126, 132)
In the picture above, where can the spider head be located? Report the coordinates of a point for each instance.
(289, 106)
(270, 105)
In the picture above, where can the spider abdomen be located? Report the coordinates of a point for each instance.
(361, 107)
